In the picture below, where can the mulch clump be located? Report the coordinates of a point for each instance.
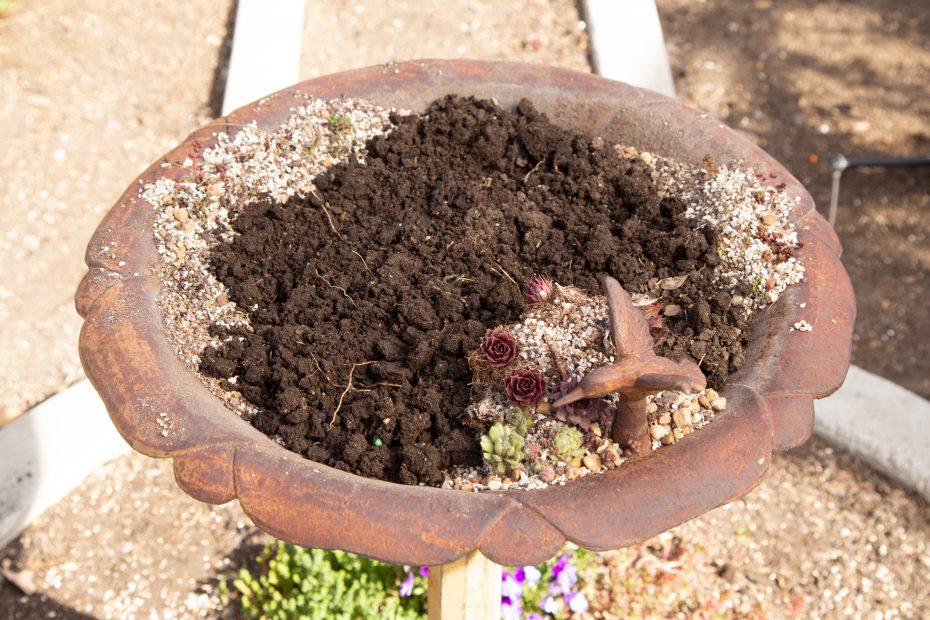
(366, 296)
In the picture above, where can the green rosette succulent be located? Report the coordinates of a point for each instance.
(568, 443)
(520, 418)
(502, 449)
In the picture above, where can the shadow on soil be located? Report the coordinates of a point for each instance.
(784, 98)
(15, 605)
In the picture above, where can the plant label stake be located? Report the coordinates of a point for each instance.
(467, 589)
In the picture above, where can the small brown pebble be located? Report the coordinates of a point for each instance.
(574, 472)
(718, 404)
(658, 431)
(592, 462)
(665, 419)
(651, 407)
(181, 214)
(703, 401)
(575, 462)
(711, 394)
(686, 430)
(611, 457)
(222, 300)
(737, 300)
(668, 440)
(769, 219)
(671, 310)
(678, 433)
(694, 406)
(596, 430)
(494, 484)
(682, 417)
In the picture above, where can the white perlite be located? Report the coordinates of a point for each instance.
(757, 239)
(194, 215)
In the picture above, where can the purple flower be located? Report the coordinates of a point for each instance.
(511, 611)
(534, 616)
(576, 601)
(560, 564)
(531, 574)
(406, 586)
(554, 589)
(424, 571)
(567, 577)
(510, 588)
(551, 605)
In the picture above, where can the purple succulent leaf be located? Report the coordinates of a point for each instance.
(582, 413)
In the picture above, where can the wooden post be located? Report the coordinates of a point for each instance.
(467, 589)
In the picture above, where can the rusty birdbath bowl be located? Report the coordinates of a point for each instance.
(218, 457)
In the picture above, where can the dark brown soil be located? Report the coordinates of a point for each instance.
(437, 231)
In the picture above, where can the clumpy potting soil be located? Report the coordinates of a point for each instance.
(366, 296)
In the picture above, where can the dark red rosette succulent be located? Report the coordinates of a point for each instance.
(581, 413)
(499, 348)
(525, 386)
(538, 290)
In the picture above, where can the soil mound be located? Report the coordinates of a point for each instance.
(366, 296)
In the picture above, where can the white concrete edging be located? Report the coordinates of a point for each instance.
(627, 43)
(883, 424)
(265, 51)
(48, 451)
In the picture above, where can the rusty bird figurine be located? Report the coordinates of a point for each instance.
(636, 373)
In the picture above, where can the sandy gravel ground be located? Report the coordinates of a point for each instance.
(822, 537)
(91, 92)
(358, 33)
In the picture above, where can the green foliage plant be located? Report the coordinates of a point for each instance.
(295, 583)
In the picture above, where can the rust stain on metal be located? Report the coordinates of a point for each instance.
(219, 457)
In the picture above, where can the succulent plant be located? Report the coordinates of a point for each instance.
(655, 318)
(580, 412)
(499, 348)
(525, 386)
(568, 443)
(520, 418)
(533, 452)
(538, 290)
(502, 449)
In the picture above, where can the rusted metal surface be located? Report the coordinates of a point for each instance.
(218, 457)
